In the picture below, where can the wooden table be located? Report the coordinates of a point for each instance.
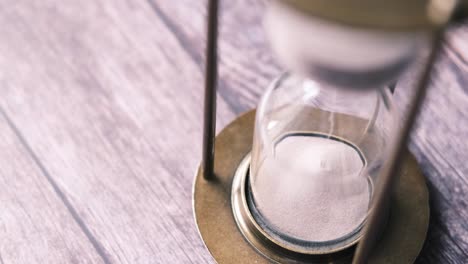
(100, 128)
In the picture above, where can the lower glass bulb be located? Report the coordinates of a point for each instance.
(316, 155)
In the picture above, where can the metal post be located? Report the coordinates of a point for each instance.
(392, 166)
(211, 72)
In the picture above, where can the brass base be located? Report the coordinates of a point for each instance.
(400, 243)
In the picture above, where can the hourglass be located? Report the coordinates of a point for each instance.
(319, 172)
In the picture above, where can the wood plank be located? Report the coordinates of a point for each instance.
(457, 47)
(246, 64)
(35, 225)
(111, 103)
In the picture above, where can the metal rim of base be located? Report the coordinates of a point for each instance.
(266, 244)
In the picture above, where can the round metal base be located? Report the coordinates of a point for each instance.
(401, 241)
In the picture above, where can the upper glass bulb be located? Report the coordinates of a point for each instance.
(340, 54)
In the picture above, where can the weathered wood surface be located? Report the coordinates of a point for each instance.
(106, 98)
(36, 225)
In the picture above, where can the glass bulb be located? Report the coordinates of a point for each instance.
(316, 155)
(337, 53)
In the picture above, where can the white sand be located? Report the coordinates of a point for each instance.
(312, 189)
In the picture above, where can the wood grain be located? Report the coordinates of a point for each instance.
(35, 224)
(107, 95)
(440, 146)
(111, 104)
(246, 65)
